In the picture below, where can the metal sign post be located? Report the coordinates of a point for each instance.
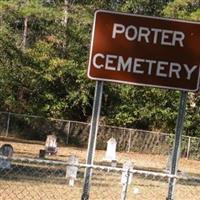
(92, 138)
(142, 50)
(177, 145)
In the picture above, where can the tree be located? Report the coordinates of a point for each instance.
(188, 10)
(44, 50)
(183, 9)
(49, 81)
(144, 7)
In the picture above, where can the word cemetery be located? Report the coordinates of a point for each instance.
(142, 66)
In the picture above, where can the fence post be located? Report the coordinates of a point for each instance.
(188, 147)
(8, 124)
(125, 186)
(129, 141)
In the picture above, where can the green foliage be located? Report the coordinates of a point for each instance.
(188, 10)
(183, 9)
(146, 108)
(144, 7)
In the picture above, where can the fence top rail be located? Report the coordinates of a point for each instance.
(88, 123)
(100, 167)
(41, 117)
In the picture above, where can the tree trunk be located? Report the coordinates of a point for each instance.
(23, 45)
(65, 12)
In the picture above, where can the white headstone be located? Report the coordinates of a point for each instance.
(128, 165)
(111, 150)
(51, 144)
(71, 170)
(51, 141)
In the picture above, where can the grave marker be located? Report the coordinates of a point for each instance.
(111, 150)
(6, 150)
(42, 153)
(51, 144)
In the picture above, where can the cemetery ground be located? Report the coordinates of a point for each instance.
(34, 181)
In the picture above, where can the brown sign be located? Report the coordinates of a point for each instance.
(144, 50)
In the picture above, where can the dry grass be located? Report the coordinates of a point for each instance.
(141, 161)
(105, 185)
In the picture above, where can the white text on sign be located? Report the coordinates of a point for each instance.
(149, 35)
(142, 66)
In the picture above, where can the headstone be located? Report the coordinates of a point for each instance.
(51, 144)
(42, 153)
(7, 151)
(71, 170)
(111, 150)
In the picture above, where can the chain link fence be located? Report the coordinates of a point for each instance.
(76, 133)
(27, 176)
(37, 179)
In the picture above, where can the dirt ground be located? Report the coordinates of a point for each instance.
(141, 161)
(105, 185)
